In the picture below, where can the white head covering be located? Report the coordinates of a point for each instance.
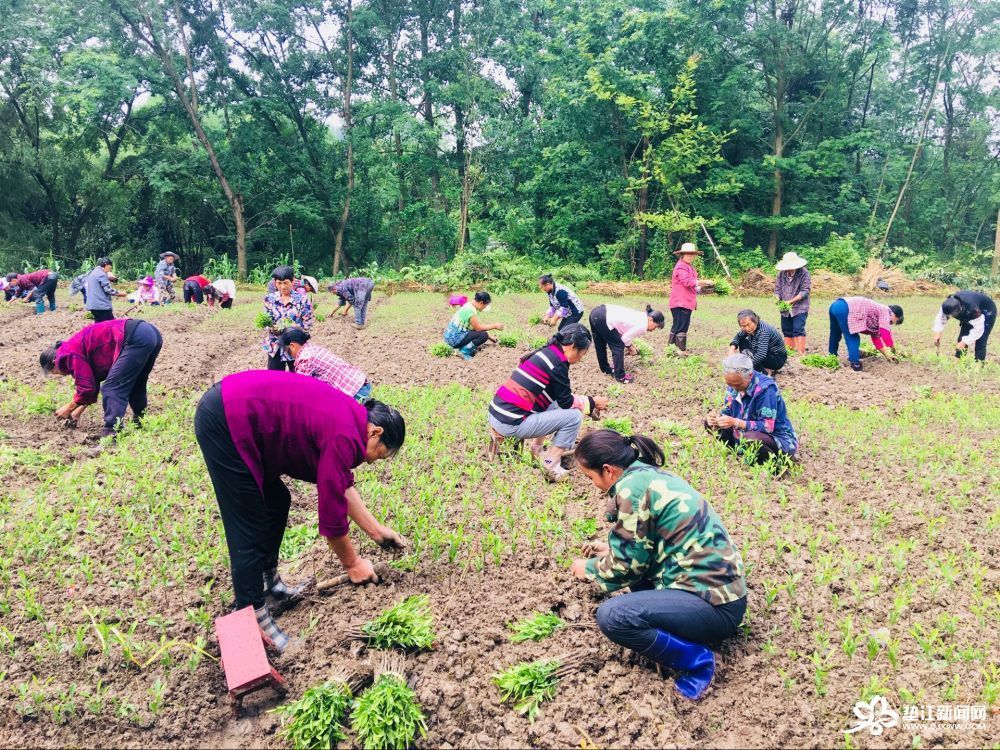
(790, 262)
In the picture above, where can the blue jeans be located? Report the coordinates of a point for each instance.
(562, 424)
(838, 328)
(364, 394)
(793, 326)
(631, 620)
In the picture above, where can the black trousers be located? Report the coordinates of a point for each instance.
(46, 289)
(254, 521)
(125, 385)
(193, 291)
(102, 315)
(275, 363)
(605, 337)
(771, 362)
(681, 319)
(476, 338)
(226, 304)
(981, 342)
(767, 446)
(570, 320)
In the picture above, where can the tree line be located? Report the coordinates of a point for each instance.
(405, 133)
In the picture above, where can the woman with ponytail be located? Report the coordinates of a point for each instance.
(668, 546)
(617, 327)
(537, 401)
(253, 427)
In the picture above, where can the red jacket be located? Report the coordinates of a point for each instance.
(28, 281)
(682, 287)
(202, 281)
(89, 355)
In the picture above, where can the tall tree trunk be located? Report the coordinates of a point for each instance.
(397, 140)
(778, 194)
(461, 159)
(338, 247)
(428, 103)
(995, 270)
(643, 253)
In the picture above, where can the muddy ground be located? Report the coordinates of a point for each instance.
(765, 693)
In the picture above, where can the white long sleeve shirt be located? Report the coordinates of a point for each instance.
(225, 286)
(630, 324)
(976, 328)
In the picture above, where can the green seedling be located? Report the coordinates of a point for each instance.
(619, 424)
(263, 320)
(535, 628)
(387, 716)
(508, 339)
(440, 349)
(406, 625)
(297, 540)
(317, 719)
(530, 684)
(826, 361)
(644, 350)
(539, 342)
(723, 288)
(534, 320)
(784, 306)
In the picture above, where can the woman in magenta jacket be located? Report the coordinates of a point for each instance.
(683, 294)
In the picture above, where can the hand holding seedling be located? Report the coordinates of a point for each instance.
(596, 549)
(725, 421)
(632, 351)
(66, 412)
(386, 538)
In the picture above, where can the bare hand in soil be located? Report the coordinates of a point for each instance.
(64, 412)
(362, 572)
(390, 539)
(579, 569)
(596, 549)
(632, 351)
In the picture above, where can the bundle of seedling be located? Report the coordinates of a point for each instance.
(530, 684)
(644, 350)
(318, 718)
(387, 716)
(826, 361)
(440, 349)
(508, 339)
(535, 628)
(406, 625)
(784, 307)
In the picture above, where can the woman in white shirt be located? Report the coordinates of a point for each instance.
(223, 290)
(617, 327)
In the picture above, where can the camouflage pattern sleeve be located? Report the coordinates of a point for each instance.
(630, 543)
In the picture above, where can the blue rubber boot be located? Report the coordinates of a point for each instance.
(695, 661)
(468, 351)
(39, 306)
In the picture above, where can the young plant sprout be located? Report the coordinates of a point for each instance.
(535, 628)
(530, 684)
(263, 320)
(317, 719)
(387, 715)
(619, 424)
(408, 625)
(539, 342)
(645, 350)
(508, 339)
(784, 306)
(534, 320)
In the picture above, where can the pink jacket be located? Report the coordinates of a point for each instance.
(683, 284)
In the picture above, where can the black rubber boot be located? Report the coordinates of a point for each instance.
(279, 596)
(682, 341)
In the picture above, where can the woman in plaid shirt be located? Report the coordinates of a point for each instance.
(852, 316)
(314, 360)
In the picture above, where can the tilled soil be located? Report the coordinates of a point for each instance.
(620, 702)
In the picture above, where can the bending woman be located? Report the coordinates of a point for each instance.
(118, 353)
(976, 314)
(537, 401)
(669, 547)
(564, 306)
(618, 327)
(317, 362)
(253, 427)
(754, 412)
(356, 292)
(465, 332)
(852, 316)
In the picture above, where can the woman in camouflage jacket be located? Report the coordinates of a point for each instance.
(670, 549)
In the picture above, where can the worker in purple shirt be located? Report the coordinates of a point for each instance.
(253, 427)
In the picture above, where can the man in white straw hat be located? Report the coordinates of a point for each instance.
(684, 290)
(791, 287)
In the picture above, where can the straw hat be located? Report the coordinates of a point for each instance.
(688, 248)
(171, 253)
(790, 262)
(311, 281)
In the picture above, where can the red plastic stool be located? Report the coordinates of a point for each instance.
(243, 658)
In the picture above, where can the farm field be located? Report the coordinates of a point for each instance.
(872, 566)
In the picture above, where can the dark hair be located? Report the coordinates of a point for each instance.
(12, 275)
(575, 334)
(898, 312)
(47, 359)
(391, 421)
(283, 273)
(483, 297)
(609, 447)
(747, 313)
(102, 262)
(293, 335)
(656, 315)
(952, 306)
(546, 279)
